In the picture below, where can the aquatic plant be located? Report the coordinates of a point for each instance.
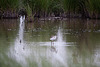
(8, 4)
(86, 8)
(93, 7)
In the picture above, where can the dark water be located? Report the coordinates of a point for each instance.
(77, 44)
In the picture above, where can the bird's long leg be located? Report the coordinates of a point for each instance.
(51, 43)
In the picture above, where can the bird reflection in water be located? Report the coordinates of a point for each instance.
(53, 49)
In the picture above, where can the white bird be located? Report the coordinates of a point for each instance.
(52, 39)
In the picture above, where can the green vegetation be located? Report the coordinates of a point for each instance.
(9, 4)
(87, 8)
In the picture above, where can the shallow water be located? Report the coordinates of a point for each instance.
(28, 44)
